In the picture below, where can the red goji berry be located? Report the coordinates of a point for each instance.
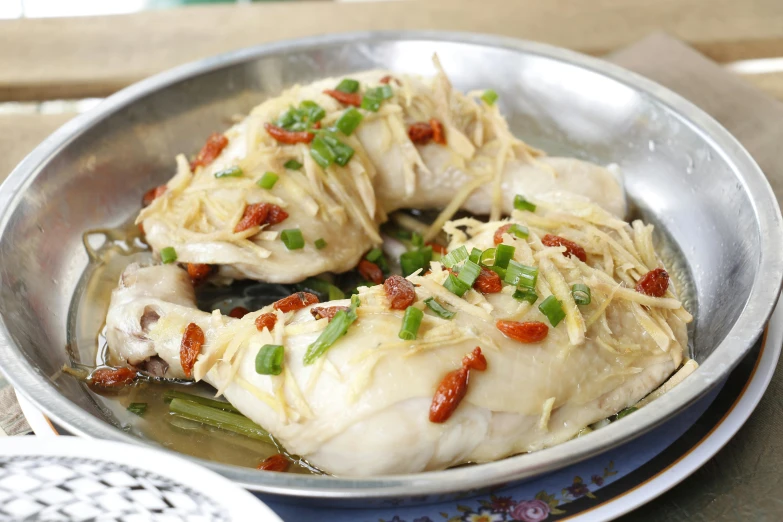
(190, 348)
(572, 249)
(654, 283)
(528, 332)
(295, 302)
(400, 292)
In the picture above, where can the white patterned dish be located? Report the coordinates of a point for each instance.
(72, 479)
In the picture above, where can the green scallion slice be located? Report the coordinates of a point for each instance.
(455, 257)
(325, 290)
(374, 255)
(438, 308)
(138, 408)
(417, 239)
(503, 254)
(411, 322)
(170, 395)
(230, 172)
(320, 243)
(268, 180)
(168, 255)
(373, 98)
(487, 258)
(519, 231)
(581, 294)
(456, 286)
(384, 91)
(342, 153)
(371, 104)
(292, 164)
(292, 238)
(475, 255)
(499, 271)
(219, 419)
(525, 294)
(269, 360)
(520, 203)
(415, 259)
(469, 272)
(553, 310)
(336, 328)
(347, 85)
(312, 110)
(627, 411)
(521, 275)
(348, 122)
(321, 152)
(489, 97)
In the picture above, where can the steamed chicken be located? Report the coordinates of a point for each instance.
(524, 332)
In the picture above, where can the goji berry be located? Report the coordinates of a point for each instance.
(211, 150)
(498, 238)
(370, 271)
(654, 283)
(454, 386)
(190, 348)
(238, 312)
(153, 194)
(346, 98)
(112, 377)
(289, 137)
(199, 271)
(327, 312)
(528, 332)
(572, 249)
(437, 132)
(488, 282)
(276, 462)
(295, 302)
(420, 133)
(400, 292)
(267, 321)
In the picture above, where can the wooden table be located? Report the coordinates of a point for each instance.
(44, 59)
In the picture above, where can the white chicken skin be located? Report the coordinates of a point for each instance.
(475, 164)
(361, 408)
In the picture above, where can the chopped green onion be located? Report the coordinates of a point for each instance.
(321, 152)
(374, 255)
(292, 164)
(519, 231)
(170, 395)
(411, 322)
(417, 239)
(415, 259)
(168, 255)
(320, 243)
(348, 122)
(385, 91)
(627, 411)
(521, 275)
(336, 328)
(469, 273)
(325, 290)
(347, 85)
(552, 309)
(475, 255)
(456, 286)
(503, 254)
(138, 408)
(341, 152)
(487, 258)
(455, 257)
(525, 294)
(314, 112)
(268, 180)
(373, 98)
(219, 419)
(581, 294)
(436, 307)
(520, 203)
(287, 119)
(269, 360)
(489, 97)
(230, 172)
(292, 238)
(499, 271)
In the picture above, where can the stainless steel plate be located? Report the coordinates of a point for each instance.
(683, 171)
